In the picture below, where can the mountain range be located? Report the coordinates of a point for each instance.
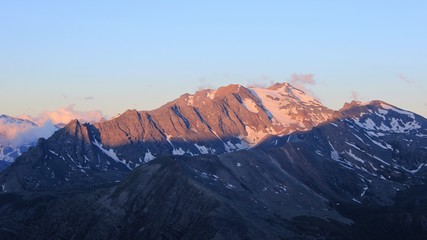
(232, 163)
(17, 135)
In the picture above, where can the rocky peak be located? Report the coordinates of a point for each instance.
(358, 109)
(351, 104)
(74, 130)
(232, 88)
(277, 86)
(73, 127)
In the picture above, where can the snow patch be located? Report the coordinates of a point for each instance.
(273, 102)
(318, 152)
(333, 124)
(350, 153)
(202, 149)
(54, 153)
(190, 100)
(230, 186)
(208, 176)
(250, 105)
(334, 154)
(211, 94)
(282, 187)
(254, 136)
(364, 191)
(110, 153)
(242, 145)
(148, 156)
(388, 107)
(178, 151)
(382, 111)
(416, 170)
(382, 161)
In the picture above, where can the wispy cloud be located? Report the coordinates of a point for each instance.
(65, 115)
(262, 81)
(403, 78)
(203, 84)
(300, 81)
(354, 95)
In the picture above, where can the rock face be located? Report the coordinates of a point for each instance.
(209, 122)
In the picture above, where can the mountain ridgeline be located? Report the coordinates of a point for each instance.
(231, 163)
(209, 122)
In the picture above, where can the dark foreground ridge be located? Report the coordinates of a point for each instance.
(243, 195)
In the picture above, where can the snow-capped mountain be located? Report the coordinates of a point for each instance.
(259, 163)
(12, 143)
(220, 121)
(217, 121)
(373, 151)
(211, 121)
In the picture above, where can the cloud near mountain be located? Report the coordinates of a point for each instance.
(15, 132)
(29, 135)
(302, 80)
(64, 115)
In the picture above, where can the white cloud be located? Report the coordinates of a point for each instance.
(300, 81)
(262, 81)
(33, 134)
(354, 95)
(65, 115)
(203, 84)
(17, 134)
(404, 78)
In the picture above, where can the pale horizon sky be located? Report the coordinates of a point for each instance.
(109, 56)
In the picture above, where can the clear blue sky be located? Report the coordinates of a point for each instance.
(116, 55)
